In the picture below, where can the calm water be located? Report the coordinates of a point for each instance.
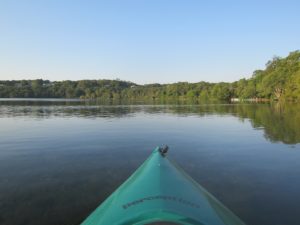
(60, 159)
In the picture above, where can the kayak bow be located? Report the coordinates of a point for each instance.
(159, 190)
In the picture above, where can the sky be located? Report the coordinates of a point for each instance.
(144, 41)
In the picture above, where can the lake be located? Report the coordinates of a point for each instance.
(59, 159)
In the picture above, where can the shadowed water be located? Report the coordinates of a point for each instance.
(60, 159)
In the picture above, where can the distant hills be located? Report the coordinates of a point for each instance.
(280, 80)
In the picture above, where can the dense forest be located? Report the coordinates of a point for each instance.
(280, 80)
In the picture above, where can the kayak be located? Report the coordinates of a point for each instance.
(160, 192)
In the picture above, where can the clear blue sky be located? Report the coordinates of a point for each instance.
(144, 41)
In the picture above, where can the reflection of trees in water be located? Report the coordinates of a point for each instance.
(280, 122)
(42, 109)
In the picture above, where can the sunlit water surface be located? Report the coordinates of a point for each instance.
(60, 159)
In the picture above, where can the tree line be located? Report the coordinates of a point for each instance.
(280, 80)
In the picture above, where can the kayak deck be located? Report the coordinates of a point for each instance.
(159, 190)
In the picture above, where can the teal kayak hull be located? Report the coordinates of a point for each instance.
(159, 190)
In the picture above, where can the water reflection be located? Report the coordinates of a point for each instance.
(60, 160)
(280, 122)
